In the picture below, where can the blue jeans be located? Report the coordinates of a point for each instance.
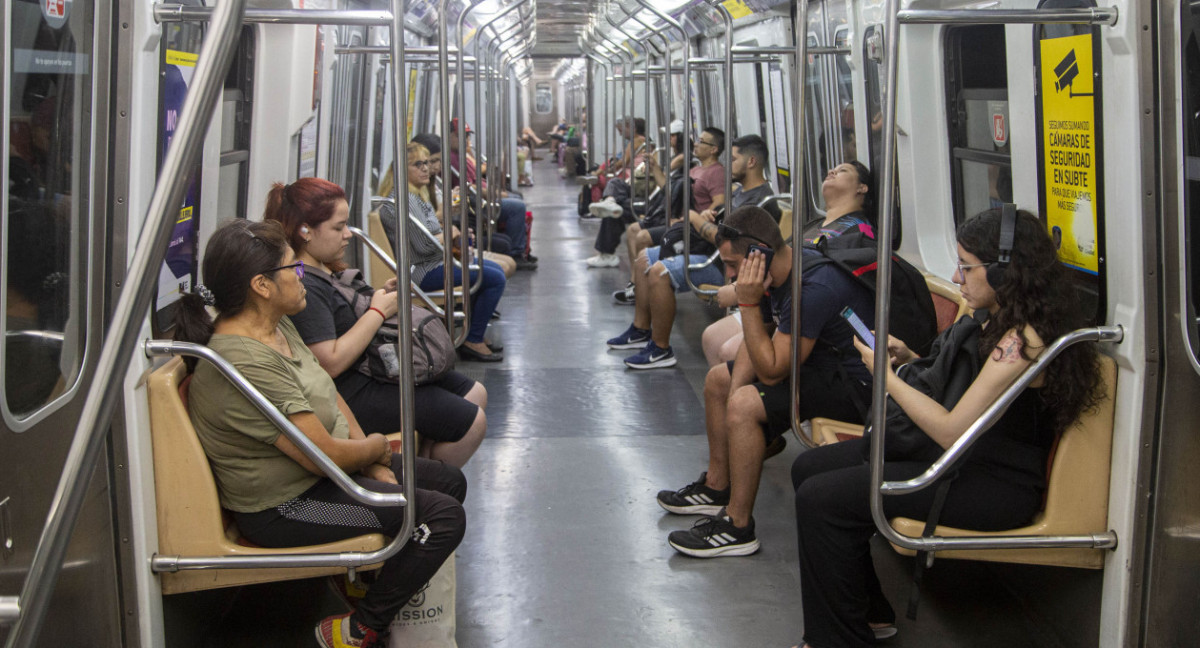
(483, 302)
(512, 215)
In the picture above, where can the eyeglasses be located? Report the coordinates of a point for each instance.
(420, 164)
(728, 233)
(963, 267)
(299, 266)
(706, 143)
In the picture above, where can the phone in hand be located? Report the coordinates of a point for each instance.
(860, 329)
(767, 253)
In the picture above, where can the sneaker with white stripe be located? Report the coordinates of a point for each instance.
(715, 535)
(694, 499)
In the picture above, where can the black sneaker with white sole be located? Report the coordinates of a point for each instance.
(694, 499)
(625, 295)
(715, 535)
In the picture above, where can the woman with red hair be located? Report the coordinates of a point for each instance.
(449, 411)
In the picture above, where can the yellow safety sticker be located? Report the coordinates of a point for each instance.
(185, 59)
(737, 8)
(1069, 148)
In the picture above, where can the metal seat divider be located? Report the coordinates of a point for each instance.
(879, 487)
(159, 563)
(28, 610)
(374, 248)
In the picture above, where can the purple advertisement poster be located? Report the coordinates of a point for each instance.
(176, 276)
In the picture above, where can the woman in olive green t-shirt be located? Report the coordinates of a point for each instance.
(279, 498)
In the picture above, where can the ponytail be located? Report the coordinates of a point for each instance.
(192, 324)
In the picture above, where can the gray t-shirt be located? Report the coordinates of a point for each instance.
(251, 473)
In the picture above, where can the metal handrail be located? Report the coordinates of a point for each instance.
(630, 124)
(45, 336)
(729, 105)
(173, 13)
(10, 608)
(158, 563)
(999, 406)
(377, 250)
(159, 348)
(1088, 16)
(799, 207)
(884, 274)
(134, 301)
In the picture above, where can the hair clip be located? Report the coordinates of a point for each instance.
(205, 294)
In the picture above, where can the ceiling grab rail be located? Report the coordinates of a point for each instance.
(175, 13)
(687, 123)
(879, 488)
(133, 303)
(665, 109)
(799, 206)
(350, 559)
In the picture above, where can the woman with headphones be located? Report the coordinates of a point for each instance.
(1010, 276)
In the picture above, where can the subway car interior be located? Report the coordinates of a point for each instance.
(223, 424)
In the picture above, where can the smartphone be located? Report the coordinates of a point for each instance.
(767, 253)
(860, 329)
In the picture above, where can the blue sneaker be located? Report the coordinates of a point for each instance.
(651, 357)
(632, 338)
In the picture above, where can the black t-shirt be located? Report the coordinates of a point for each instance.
(826, 290)
(327, 316)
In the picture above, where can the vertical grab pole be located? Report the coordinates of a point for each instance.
(729, 106)
(670, 104)
(799, 205)
(444, 109)
(119, 344)
(884, 279)
(408, 439)
(687, 127)
(630, 131)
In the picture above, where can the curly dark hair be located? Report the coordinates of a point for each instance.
(1035, 291)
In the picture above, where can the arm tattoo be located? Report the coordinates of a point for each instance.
(1008, 350)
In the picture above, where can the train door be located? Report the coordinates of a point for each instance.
(544, 102)
(1173, 566)
(53, 280)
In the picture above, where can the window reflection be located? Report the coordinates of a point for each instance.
(47, 132)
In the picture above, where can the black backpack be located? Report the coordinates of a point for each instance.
(912, 317)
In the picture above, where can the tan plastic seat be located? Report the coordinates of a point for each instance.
(1076, 494)
(190, 520)
(947, 301)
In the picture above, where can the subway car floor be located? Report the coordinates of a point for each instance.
(565, 545)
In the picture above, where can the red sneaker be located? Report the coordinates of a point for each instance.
(334, 632)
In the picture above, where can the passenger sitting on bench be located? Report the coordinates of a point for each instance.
(278, 496)
(449, 411)
(617, 204)
(1028, 303)
(747, 403)
(512, 208)
(659, 277)
(849, 204)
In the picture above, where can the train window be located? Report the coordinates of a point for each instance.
(543, 101)
(236, 112)
(873, 75)
(977, 88)
(1191, 188)
(47, 131)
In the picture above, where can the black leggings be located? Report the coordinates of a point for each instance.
(839, 589)
(324, 513)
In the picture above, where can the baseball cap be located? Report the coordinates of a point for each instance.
(454, 126)
(677, 127)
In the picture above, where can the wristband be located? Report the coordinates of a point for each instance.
(747, 305)
(378, 311)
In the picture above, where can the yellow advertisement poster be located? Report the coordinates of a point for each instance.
(1069, 155)
(412, 101)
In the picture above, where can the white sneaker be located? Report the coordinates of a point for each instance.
(604, 261)
(604, 208)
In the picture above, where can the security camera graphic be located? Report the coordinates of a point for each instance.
(1065, 72)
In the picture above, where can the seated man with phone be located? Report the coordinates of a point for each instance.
(748, 401)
